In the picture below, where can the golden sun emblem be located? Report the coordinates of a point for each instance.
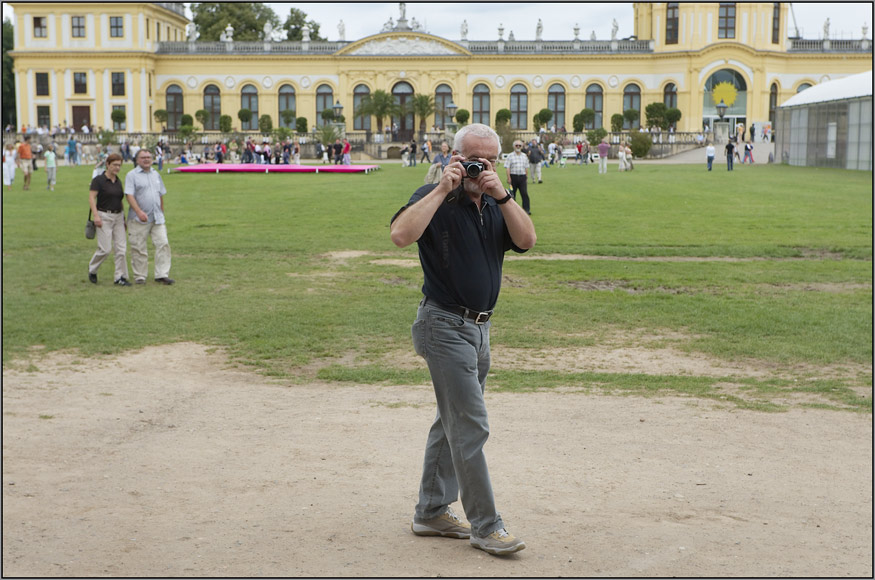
(725, 91)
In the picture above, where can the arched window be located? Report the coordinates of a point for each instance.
(174, 107)
(556, 103)
(730, 87)
(358, 95)
(670, 96)
(671, 23)
(403, 94)
(595, 101)
(632, 100)
(443, 96)
(287, 103)
(802, 87)
(213, 106)
(773, 104)
(324, 100)
(519, 107)
(249, 100)
(480, 105)
(776, 23)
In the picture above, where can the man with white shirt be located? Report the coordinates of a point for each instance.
(144, 190)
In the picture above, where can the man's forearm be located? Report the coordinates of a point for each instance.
(519, 225)
(411, 223)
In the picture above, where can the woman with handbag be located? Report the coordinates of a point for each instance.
(105, 198)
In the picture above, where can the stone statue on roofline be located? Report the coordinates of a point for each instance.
(826, 29)
(539, 30)
(305, 34)
(390, 24)
(592, 36)
(192, 32)
(464, 30)
(614, 28)
(511, 37)
(341, 31)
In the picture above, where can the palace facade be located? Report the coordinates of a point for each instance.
(74, 63)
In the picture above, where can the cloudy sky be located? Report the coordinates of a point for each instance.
(445, 18)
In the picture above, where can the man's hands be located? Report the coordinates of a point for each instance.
(488, 181)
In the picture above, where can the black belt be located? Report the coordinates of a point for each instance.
(110, 210)
(476, 316)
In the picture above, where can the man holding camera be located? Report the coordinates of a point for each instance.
(463, 225)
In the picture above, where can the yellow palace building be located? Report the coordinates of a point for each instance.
(74, 63)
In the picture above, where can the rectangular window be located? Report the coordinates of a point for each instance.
(116, 26)
(726, 20)
(148, 23)
(42, 84)
(80, 83)
(78, 26)
(157, 32)
(40, 27)
(149, 82)
(671, 23)
(118, 84)
(118, 126)
(43, 116)
(776, 23)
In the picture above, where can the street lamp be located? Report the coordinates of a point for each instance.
(451, 109)
(721, 109)
(338, 109)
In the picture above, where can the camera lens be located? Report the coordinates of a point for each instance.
(472, 168)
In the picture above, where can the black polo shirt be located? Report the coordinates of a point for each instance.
(462, 251)
(109, 194)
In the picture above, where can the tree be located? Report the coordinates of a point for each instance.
(422, 106)
(288, 117)
(245, 115)
(673, 115)
(380, 105)
(186, 119)
(8, 75)
(160, 116)
(247, 18)
(544, 116)
(327, 134)
(203, 117)
(301, 124)
(577, 123)
(294, 25)
(502, 116)
(118, 117)
(631, 116)
(641, 144)
(588, 117)
(617, 122)
(654, 113)
(265, 124)
(462, 116)
(327, 115)
(595, 136)
(225, 123)
(105, 136)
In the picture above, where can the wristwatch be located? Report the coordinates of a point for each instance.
(504, 199)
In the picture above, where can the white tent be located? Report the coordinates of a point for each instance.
(828, 125)
(859, 85)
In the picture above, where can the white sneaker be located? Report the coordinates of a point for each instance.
(447, 525)
(498, 543)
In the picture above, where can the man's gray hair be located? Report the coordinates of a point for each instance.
(476, 130)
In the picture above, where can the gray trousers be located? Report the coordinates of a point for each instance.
(457, 352)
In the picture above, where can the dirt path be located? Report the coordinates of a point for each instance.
(171, 462)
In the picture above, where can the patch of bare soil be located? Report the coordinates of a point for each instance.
(170, 461)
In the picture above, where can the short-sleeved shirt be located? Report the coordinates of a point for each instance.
(24, 151)
(109, 194)
(534, 153)
(604, 149)
(50, 159)
(517, 163)
(444, 160)
(462, 250)
(147, 187)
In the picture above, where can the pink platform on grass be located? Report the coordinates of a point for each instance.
(261, 168)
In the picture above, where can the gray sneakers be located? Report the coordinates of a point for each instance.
(447, 525)
(498, 543)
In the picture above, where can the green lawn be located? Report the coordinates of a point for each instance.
(785, 280)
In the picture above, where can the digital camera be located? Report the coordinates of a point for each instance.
(473, 168)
